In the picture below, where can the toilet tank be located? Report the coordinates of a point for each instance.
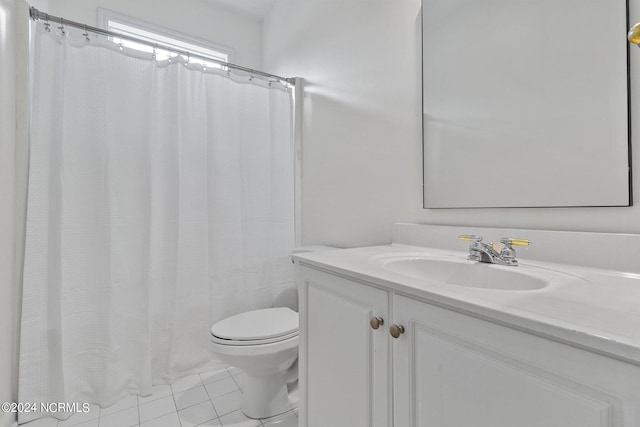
(291, 300)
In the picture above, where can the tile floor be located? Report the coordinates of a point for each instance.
(210, 399)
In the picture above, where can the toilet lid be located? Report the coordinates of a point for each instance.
(257, 325)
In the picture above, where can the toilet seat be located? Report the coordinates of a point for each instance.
(228, 342)
(256, 327)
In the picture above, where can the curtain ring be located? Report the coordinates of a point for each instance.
(47, 25)
(86, 34)
(61, 27)
(154, 54)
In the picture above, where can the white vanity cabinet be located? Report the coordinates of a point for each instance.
(448, 368)
(454, 370)
(344, 363)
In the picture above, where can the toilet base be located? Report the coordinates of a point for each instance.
(254, 405)
(268, 368)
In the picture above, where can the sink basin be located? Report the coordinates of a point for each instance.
(461, 272)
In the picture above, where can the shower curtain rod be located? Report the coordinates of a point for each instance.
(37, 15)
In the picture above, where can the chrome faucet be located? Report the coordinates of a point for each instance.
(494, 253)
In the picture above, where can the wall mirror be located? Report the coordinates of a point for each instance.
(525, 103)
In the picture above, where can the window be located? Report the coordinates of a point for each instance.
(151, 33)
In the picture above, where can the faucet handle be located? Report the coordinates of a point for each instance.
(507, 253)
(512, 241)
(474, 246)
(470, 238)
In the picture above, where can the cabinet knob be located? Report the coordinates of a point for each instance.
(376, 322)
(396, 330)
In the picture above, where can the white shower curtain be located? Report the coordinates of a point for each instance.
(160, 201)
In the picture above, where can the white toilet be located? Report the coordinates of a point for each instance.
(264, 345)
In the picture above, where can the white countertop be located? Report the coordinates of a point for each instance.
(600, 311)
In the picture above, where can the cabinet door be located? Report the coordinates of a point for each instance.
(452, 370)
(344, 362)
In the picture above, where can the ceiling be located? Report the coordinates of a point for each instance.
(254, 9)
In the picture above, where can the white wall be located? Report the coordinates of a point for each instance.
(13, 42)
(7, 147)
(361, 112)
(200, 18)
(361, 130)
